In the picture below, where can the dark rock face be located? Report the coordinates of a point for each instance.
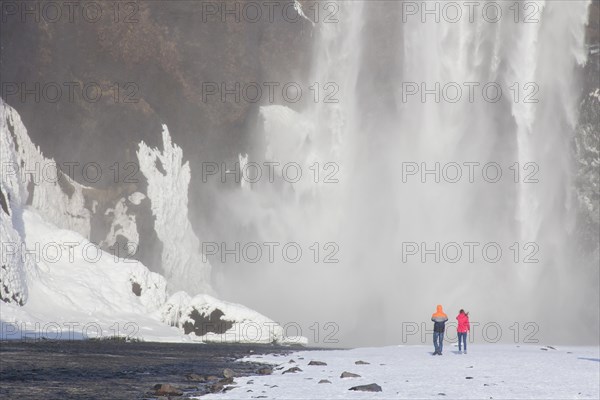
(136, 288)
(7, 296)
(179, 48)
(204, 324)
(361, 362)
(3, 203)
(149, 66)
(586, 143)
(317, 363)
(347, 374)
(324, 381)
(373, 387)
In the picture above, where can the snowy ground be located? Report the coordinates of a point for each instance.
(486, 372)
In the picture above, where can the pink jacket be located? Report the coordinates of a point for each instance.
(463, 323)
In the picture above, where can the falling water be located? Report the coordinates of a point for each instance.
(377, 132)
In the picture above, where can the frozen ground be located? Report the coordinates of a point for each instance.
(486, 372)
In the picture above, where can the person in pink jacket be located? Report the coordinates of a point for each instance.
(463, 328)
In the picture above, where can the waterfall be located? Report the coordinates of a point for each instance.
(398, 73)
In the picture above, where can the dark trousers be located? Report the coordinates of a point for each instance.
(462, 336)
(438, 341)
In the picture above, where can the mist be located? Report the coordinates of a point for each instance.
(458, 167)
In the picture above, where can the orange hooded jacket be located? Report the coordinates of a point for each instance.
(439, 313)
(439, 320)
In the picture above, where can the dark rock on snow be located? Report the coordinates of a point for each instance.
(317, 363)
(292, 370)
(373, 387)
(265, 371)
(347, 374)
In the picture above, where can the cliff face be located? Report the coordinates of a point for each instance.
(122, 75)
(152, 66)
(586, 143)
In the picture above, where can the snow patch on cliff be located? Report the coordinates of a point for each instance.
(168, 179)
(122, 224)
(42, 177)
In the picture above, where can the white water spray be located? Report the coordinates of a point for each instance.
(380, 130)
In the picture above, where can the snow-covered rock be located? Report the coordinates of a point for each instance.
(13, 269)
(13, 193)
(57, 197)
(208, 319)
(122, 224)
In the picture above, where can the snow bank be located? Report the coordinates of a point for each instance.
(168, 179)
(208, 319)
(77, 276)
(55, 283)
(81, 291)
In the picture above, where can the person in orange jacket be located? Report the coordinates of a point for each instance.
(463, 328)
(439, 326)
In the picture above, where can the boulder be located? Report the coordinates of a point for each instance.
(372, 387)
(216, 387)
(164, 389)
(292, 370)
(196, 377)
(324, 381)
(347, 374)
(265, 371)
(361, 362)
(317, 363)
(228, 373)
